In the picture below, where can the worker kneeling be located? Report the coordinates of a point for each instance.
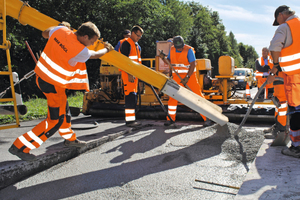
(183, 70)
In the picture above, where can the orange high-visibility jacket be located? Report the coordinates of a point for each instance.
(289, 58)
(53, 66)
(261, 76)
(261, 61)
(134, 55)
(179, 60)
(290, 64)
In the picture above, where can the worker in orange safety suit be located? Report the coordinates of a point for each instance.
(182, 57)
(281, 108)
(61, 66)
(263, 65)
(285, 51)
(131, 49)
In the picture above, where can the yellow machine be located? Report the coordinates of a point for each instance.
(28, 15)
(108, 100)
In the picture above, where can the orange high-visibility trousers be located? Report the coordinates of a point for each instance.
(260, 82)
(280, 113)
(193, 85)
(58, 119)
(130, 91)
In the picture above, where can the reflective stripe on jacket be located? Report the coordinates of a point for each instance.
(135, 53)
(290, 56)
(180, 60)
(53, 66)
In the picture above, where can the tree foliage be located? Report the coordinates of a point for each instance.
(200, 26)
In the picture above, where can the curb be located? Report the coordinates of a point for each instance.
(22, 170)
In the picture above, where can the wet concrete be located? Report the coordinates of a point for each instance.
(172, 160)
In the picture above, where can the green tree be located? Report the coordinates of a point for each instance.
(249, 55)
(161, 19)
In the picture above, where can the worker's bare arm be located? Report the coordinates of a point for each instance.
(46, 32)
(98, 54)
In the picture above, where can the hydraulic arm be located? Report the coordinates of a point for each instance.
(27, 15)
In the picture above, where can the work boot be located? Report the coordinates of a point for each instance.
(133, 124)
(23, 156)
(271, 135)
(75, 143)
(207, 123)
(292, 151)
(269, 130)
(170, 123)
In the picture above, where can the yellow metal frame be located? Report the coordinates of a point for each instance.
(6, 46)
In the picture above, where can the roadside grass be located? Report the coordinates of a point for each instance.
(37, 108)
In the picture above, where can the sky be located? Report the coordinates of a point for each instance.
(250, 21)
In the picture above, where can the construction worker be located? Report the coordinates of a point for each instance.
(263, 65)
(182, 57)
(61, 66)
(131, 49)
(281, 108)
(126, 34)
(285, 51)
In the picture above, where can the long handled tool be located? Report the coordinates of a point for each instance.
(161, 104)
(172, 68)
(216, 107)
(282, 138)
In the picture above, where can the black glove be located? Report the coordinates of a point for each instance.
(267, 67)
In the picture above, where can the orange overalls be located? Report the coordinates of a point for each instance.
(53, 76)
(130, 89)
(181, 65)
(289, 61)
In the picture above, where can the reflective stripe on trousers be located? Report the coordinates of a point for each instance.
(58, 118)
(130, 104)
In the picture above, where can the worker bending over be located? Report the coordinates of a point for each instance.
(61, 66)
(131, 49)
(285, 52)
(182, 58)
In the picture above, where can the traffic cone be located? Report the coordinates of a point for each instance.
(248, 96)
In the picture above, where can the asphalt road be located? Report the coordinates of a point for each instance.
(151, 163)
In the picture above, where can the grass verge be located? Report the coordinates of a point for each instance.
(37, 108)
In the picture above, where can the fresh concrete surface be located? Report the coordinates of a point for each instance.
(191, 152)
